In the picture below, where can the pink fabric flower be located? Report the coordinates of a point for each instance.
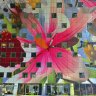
(68, 65)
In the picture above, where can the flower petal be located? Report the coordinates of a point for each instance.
(68, 43)
(74, 28)
(42, 71)
(89, 3)
(32, 24)
(35, 28)
(67, 65)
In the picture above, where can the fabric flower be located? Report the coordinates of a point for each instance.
(48, 48)
(10, 50)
